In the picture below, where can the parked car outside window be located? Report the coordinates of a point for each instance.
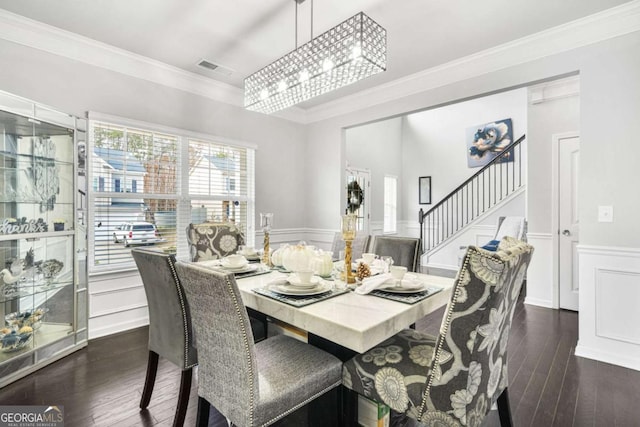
(137, 233)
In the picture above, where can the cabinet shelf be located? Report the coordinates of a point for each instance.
(30, 159)
(30, 290)
(46, 334)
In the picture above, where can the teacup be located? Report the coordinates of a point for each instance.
(304, 276)
(397, 272)
(247, 250)
(368, 257)
(234, 261)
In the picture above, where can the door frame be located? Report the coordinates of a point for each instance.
(555, 212)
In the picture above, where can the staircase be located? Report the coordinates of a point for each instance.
(483, 191)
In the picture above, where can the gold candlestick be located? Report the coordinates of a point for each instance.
(348, 234)
(266, 257)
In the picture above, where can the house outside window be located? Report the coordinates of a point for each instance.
(167, 179)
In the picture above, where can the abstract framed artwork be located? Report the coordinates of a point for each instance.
(486, 141)
(424, 190)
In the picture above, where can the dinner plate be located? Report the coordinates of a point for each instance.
(292, 290)
(295, 282)
(404, 289)
(244, 269)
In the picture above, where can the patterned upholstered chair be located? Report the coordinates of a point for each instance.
(213, 240)
(250, 384)
(405, 251)
(217, 240)
(359, 246)
(452, 379)
(170, 333)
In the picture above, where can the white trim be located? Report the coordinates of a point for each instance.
(610, 23)
(615, 358)
(440, 266)
(608, 251)
(538, 302)
(553, 90)
(117, 310)
(113, 328)
(542, 236)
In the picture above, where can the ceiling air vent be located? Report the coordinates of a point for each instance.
(215, 67)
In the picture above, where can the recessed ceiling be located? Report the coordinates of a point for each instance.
(242, 36)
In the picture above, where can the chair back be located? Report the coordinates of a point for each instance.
(227, 363)
(213, 240)
(405, 251)
(358, 247)
(469, 369)
(170, 331)
(512, 226)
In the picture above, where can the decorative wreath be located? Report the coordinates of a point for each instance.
(354, 196)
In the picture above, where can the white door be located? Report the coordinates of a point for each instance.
(569, 231)
(358, 196)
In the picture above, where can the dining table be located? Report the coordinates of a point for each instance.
(351, 321)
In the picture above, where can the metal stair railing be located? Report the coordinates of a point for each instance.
(482, 191)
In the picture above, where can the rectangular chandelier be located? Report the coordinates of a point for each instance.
(348, 52)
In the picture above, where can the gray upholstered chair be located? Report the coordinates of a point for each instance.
(213, 240)
(170, 333)
(405, 251)
(250, 384)
(359, 246)
(455, 378)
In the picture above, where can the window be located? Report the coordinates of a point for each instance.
(390, 204)
(167, 180)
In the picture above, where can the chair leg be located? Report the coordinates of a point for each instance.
(150, 380)
(504, 411)
(183, 398)
(349, 408)
(202, 419)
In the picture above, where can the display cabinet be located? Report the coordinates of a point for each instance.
(43, 278)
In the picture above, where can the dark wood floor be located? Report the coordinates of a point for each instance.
(549, 386)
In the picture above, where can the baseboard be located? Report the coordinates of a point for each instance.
(607, 357)
(97, 331)
(538, 302)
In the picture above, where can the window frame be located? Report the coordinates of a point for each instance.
(182, 197)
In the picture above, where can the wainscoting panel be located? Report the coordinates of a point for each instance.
(618, 291)
(540, 284)
(609, 313)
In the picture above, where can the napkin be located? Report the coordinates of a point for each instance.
(371, 283)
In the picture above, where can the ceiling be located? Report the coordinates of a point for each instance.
(245, 35)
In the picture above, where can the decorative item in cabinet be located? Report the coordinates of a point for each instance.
(43, 278)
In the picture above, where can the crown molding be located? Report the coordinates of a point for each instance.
(617, 21)
(556, 89)
(610, 23)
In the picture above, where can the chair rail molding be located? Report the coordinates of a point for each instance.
(609, 316)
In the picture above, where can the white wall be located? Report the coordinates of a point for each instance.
(434, 143)
(377, 147)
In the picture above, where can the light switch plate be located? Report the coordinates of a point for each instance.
(605, 213)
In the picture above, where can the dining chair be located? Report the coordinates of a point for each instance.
(455, 378)
(213, 240)
(250, 384)
(359, 246)
(405, 251)
(170, 331)
(216, 240)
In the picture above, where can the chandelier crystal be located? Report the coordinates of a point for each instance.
(348, 52)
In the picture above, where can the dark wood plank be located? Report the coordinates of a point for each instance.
(101, 385)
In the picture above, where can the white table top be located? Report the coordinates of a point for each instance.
(357, 322)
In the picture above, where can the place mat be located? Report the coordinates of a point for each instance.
(407, 298)
(302, 300)
(257, 272)
(218, 268)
